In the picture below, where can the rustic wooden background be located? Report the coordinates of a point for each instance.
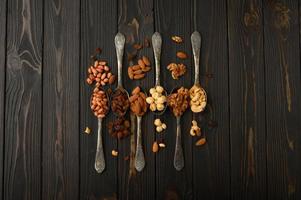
(250, 63)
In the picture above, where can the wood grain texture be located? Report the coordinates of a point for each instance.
(281, 49)
(247, 100)
(174, 19)
(98, 29)
(61, 100)
(22, 169)
(211, 162)
(136, 21)
(2, 86)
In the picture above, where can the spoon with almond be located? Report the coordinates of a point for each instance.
(138, 106)
(198, 96)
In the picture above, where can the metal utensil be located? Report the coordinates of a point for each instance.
(139, 156)
(119, 45)
(100, 163)
(196, 46)
(178, 161)
(157, 44)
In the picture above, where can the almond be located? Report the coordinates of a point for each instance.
(130, 72)
(137, 72)
(200, 142)
(135, 67)
(141, 63)
(181, 55)
(146, 60)
(146, 69)
(139, 76)
(136, 90)
(155, 147)
(112, 79)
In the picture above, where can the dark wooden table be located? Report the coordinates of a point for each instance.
(250, 67)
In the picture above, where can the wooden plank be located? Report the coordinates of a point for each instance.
(98, 29)
(2, 85)
(211, 163)
(61, 100)
(174, 18)
(282, 58)
(136, 21)
(247, 100)
(22, 168)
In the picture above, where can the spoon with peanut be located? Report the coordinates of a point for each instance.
(100, 106)
(198, 96)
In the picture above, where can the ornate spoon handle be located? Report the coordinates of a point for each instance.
(139, 157)
(99, 158)
(179, 157)
(119, 45)
(157, 43)
(196, 46)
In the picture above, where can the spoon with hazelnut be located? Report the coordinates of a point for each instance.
(198, 96)
(120, 96)
(100, 106)
(138, 106)
(157, 98)
(178, 102)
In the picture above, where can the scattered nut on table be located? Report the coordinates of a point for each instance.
(160, 126)
(181, 55)
(157, 99)
(114, 153)
(195, 130)
(198, 99)
(177, 39)
(87, 130)
(176, 70)
(200, 142)
(139, 70)
(155, 147)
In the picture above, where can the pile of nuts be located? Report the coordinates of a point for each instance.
(100, 73)
(179, 101)
(198, 99)
(160, 126)
(176, 70)
(138, 103)
(157, 98)
(99, 103)
(195, 130)
(119, 128)
(138, 71)
(120, 102)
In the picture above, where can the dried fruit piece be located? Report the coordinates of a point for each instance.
(87, 130)
(177, 39)
(181, 55)
(200, 142)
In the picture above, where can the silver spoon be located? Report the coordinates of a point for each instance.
(179, 156)
(157, 43)
(100, 163)
(119, 45)
(139, 157)
(196, 46)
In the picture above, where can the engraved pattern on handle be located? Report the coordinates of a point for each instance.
(139, 157)
(157, 43)
(119, 45)
(196, 46)
(179, 157)
(99, 158)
